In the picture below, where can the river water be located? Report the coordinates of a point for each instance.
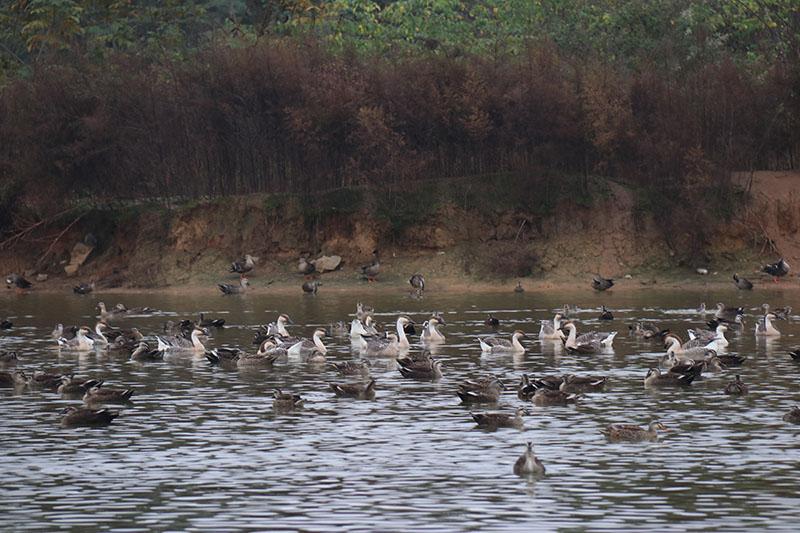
(202, 449)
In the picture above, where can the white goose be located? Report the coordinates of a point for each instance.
(402, 339)
(431, 333)
(591, 342)
(360, 327)
(79, 343)
(551, 330)
(688, 350)
(498, 345)
(179, 343)
(703, 337)
(764, 327)
(305, 347)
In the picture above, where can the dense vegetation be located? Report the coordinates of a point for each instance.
(108, 99)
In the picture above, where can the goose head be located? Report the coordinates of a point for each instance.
(284, 319)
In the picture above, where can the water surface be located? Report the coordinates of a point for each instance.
(202, 449)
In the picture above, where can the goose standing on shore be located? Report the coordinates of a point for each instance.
(777, 270)
(243, 266)
(241, 288)
(417, 283)
(591, 342)
(742, 283)
(498, 345)
(599, 283)
(371, 270)
(18, 282)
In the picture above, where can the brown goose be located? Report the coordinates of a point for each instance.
(361, 391)
(81, 416)
(481, 390)
(426, 368)
(371, 270)
(528, 464)
(632, 433)
(490, 420)
(241, 288)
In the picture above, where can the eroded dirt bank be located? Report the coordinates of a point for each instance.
(153, 247)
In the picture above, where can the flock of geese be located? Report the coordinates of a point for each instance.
(683, 362)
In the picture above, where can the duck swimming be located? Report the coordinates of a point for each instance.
(491, 420)
(528, 464)
(632, 433)
(482, 390)
(360, 391)
(81, 416)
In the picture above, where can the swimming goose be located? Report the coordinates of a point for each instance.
(528, 464)
(8, 358)
(47, 380)
(179, 343)
(492, 322)
(569, 311)
(83, 288)
(578, 384)
(605, 314)
(777, 269)
(388, 346)
(142, 352)
(701, 309)
(106, 314)
(491, 420)
(729, 360)
(793, 416)
(305, 347)
(417, 283)
(599, 283)
(551, 330)
(736, 387)
(482, 390)
(286, 401)
(706, 336)
(655, 378)
(519, 289)
(548, 397)
(361, 391)
(70, 386)
(363, 311)
(281, 322)
(430, 332)
(728, 314)
(17, 378)
(17, 281)
(781, 313)
(425, 368)
(134, 310)
(353, 368)
(310, 287)
(742, 283)
(100, 395)
(80, 343)
(267, 354)
(81, 416)
(591, 342)
(498, 345)
(632, 433)
(402, 339)
(210, 322)
(371, 270)
(243, 266)
(688, 350)
(646, 331)
(528, 387)
(241, 288)
(764, 327)
(360, 328)
(6, 324)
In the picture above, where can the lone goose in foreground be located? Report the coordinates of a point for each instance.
(80, 343)
(81, 416)
(482, 390)
(430, 332)
(360, 391)
(742, 283)
(305, 347)
(371, 270)
(736, 387)
(764, 327)
(632, 433)
(310, 287)
(528, 464)
(286, 401)
(655, 378)
(16, 281)
(591, 342)
(242, 287)
(777, 270)
(243, 266)
(793, 416)
(83, 288)
(417, 283)
(498, 345)
(599, 283)
(551, 330)
(491, 420)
